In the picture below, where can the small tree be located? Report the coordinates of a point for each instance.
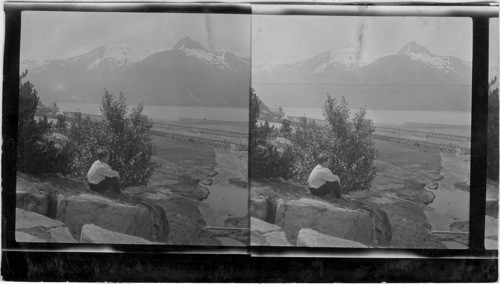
(347, 141)
(286, 128)
(266, 161)
(127, 137)
(35, 153)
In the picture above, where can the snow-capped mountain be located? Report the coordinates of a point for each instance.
(345, 59)
(189, 74)
(195, 49)
(413, 78)
(119, 55)
(421, 54)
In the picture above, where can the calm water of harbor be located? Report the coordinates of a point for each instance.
(394, 116)
(169, 112)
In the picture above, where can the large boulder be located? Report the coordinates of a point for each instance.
(312, 238)
(491, 227)
(91, 233)
(491, 244)
(265, 234)
(186, 224)
(39, 194)
(350, 224)
(34, 201)
(259, 207)
(138, 219)
(34, 227)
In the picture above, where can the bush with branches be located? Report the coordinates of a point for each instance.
(126, 136)
(266, 159)
(348, 141)
(36, 153)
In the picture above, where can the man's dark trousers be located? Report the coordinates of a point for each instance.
(327, 188)
(111, 184)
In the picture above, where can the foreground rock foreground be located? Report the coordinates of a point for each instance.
(136, 220)
(265, 234)
(56, 209)
(325, 218)
(93, 234)
(311, 238)
(281, 209)
(34, 227)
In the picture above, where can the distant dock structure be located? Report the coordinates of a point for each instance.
(213, 121)
(437, 125)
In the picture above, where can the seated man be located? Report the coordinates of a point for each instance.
(101, 177)
(322, 181)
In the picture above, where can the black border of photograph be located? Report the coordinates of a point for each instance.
(129, 263)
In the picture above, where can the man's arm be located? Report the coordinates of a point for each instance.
(106, 171)
(327, 175)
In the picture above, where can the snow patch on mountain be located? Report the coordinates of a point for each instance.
(121, 54)
(419, 53)
(217, 59)
(343, 59)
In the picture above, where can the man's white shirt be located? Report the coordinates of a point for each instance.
(320, 175)
(99, 171)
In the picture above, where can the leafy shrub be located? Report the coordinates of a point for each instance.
(266, 159)
(35, 152)
(348, 142)
(127, 137)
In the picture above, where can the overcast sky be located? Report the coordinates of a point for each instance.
(60, 35)
(280, 39)
(274, 39)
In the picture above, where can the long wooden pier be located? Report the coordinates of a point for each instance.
(437, 125)
(399, 131)
(213, 121)
(177, 127)
(425, 144)
(201, 140)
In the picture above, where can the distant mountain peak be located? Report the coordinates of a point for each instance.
(414, 47)
(345, 58)
(119, 54)
(188, 43)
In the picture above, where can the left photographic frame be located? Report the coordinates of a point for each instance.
(131, 126)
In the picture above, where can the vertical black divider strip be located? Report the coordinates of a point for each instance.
(10, 107)
(480, 57)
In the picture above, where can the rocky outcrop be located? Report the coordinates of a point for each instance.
(37, 201)
(312, 238)
(138, 220)
(34, 227)
(186, 224)
(192, 189)
(259, 208)
(491, 244)
(265, 234)
(355, 225)
(93, 234)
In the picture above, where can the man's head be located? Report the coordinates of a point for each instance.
(323, 159)
(102, 155)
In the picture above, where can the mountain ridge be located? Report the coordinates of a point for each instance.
(412, 79)
(187, 75)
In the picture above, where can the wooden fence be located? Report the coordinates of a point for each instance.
(201, 140)
(436, 146)
(398, 131)
(176, 127)
(212, 121)
(437, 125)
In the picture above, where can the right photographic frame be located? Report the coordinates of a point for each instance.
(368, 127)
